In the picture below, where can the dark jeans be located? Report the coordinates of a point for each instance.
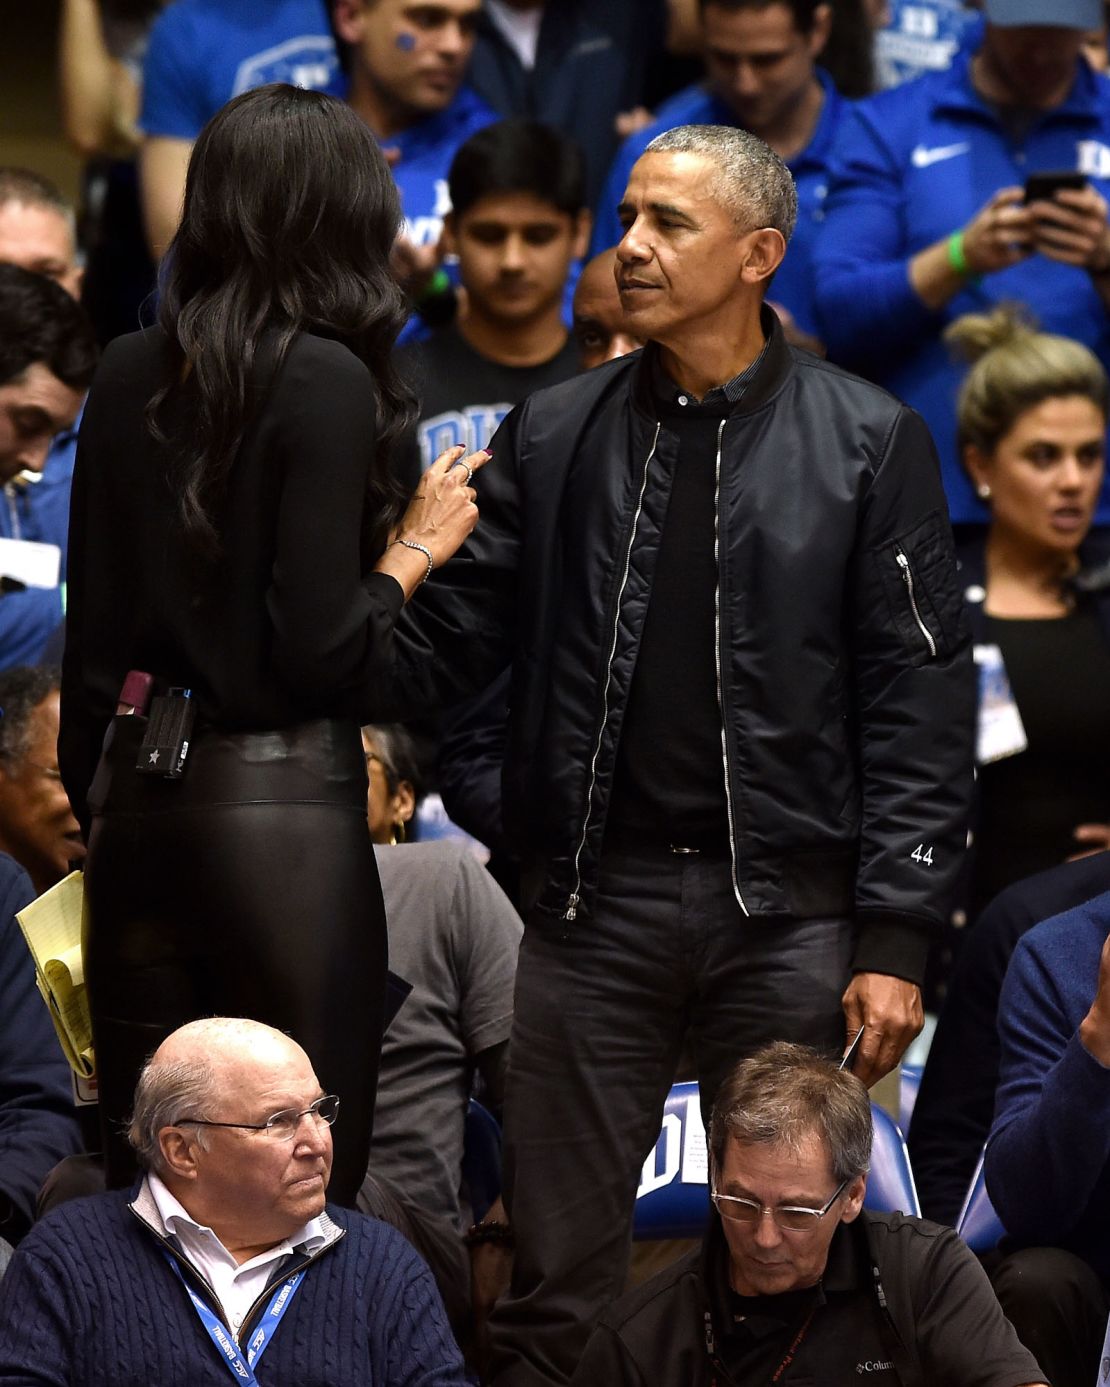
(1058, 1306)
(598, 1025)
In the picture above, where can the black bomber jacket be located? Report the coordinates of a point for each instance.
(845, 679)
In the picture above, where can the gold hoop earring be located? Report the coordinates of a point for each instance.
(397, 833)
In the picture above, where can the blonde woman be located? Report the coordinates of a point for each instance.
(1032, 429)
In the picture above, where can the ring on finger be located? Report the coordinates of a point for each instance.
(468, 469)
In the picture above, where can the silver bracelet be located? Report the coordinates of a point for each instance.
(420, 549)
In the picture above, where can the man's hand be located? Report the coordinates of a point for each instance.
(413, 266)
(889, 1009)
(997, 237)
(1094, 1029)
(1071, 227)
(629, 122)
(1000, 234)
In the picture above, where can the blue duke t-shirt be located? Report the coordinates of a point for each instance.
(204, 52)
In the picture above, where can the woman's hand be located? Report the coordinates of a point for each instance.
(442, 511)
(439, 517)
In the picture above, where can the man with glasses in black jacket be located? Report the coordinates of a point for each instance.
(793, 1277)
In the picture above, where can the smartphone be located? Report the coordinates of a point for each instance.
(1043, 187)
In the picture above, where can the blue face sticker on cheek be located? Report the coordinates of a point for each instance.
(406, 42)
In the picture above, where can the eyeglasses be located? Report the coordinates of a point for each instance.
(50, 772)
(282, 1126)
(791, 1218)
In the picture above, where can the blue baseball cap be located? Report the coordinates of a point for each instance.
(1057, 14)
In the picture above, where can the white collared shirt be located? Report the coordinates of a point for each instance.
(237, 1287)
(519, 28)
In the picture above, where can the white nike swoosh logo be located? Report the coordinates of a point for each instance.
(921, 157)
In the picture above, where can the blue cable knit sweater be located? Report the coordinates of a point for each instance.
(1048, 1157)
(90, 1301)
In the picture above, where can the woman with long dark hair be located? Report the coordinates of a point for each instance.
(234, 535)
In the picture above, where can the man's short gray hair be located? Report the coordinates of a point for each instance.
(783, 1094)
(754, 182)
(31, 189)
(164, 1095)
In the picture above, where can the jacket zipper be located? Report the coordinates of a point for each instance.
(720, 684)
(206, 1288)
(575, 896)
(907, 578)
(259, 1301)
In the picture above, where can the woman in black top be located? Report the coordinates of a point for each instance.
(233, 534)
(1032, 422)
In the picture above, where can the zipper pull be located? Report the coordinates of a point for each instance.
(572, 907)
(907, 578)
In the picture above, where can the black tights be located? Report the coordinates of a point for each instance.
(248, 888)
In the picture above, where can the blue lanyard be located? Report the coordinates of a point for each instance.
(218, 1333)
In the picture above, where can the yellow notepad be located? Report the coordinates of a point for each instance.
(51, 926)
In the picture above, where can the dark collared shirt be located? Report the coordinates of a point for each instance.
(665, 389)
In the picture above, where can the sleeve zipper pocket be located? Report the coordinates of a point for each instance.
(907, 578)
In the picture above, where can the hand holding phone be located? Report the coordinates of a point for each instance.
(1068, 221)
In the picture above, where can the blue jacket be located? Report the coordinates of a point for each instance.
(1048, 1157)
(793, 285)
(955, 1103)
(911, 166)
(90, 1301)
(38, 1126)
(37, 511)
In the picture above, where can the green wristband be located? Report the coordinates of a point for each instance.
(439, 284)
(956, 257)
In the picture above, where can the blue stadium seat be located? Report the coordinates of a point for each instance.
(481, 1161)
(978, 1224)
(909, 1081)
(890, 1186)
(672, 1200)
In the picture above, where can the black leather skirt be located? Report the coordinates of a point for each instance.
(246, 888)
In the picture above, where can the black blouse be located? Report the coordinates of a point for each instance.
(1059, 673)
(285, 625)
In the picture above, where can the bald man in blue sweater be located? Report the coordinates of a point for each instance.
(225, 1256)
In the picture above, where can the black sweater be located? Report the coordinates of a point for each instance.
(284, 626)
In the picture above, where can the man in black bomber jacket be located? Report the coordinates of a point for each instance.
(740, 746)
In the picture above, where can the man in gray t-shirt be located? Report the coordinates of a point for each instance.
(454, 936)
